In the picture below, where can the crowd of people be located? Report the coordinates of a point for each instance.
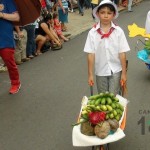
(47, 32)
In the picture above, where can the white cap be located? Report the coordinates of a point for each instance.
(105, 2)
(147, 23)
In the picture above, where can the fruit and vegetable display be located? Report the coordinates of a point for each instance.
(101, 115)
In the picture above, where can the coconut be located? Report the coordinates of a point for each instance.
(102, 130)
(87, 129)
(114, 124)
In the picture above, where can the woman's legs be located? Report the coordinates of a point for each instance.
(40, 41)
(63, 37)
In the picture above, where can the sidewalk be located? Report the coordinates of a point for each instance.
(78, 24)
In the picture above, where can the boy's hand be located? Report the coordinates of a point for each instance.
(123, 77)
(20, 34)
(91, 81)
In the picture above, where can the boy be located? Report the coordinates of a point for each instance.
(9, 14)
(106, 45)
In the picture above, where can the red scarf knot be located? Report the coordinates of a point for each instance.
(103, 35)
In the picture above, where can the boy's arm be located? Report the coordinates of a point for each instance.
(122, 57)
(19, 32)
(10, 17)
(91, 58)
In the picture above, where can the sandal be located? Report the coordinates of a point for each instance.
(64, 30)
(37, 54)
(56, 48)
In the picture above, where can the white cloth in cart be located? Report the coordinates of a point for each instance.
(80, 139)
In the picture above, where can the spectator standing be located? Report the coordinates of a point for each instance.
(8, 13)
(116, 2)
(70, 6)
(43, 4)
(20, 45)
(30, 45)
(130, 5)
(49, 5)
(106, 48)
(81, 7)
(63, 13)
(94, 3)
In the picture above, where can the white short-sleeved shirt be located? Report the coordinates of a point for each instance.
(147, 23)
(106, 50)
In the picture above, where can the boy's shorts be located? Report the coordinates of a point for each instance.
(109, 83)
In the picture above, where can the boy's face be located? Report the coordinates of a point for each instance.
(105, 15)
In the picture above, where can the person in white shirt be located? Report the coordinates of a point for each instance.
(106, 48)
(130, 5)
(147, 23)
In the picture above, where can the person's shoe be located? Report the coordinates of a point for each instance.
(69, 9)
(31, 56)
(25, 59)
(56, 48)
(14, 89)
(67, 34)
(19, 62)
(130, 10)
(72, 11)
(38, 53)
(3, 68)
(82, 14)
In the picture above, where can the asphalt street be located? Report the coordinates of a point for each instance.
(39, 117)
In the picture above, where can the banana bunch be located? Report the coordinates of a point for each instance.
(103, 102)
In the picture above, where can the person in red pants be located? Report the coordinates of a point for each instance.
(8, 14)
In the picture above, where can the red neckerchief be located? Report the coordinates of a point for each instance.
(103, 35)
